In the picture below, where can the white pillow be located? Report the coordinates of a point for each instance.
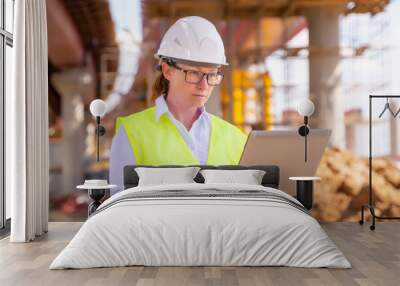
(248, 177)
(162, 176)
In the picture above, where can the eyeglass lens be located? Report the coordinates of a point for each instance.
(196, 77)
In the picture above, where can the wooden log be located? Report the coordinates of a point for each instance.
(343, 188)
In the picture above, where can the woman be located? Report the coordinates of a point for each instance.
(178, 130)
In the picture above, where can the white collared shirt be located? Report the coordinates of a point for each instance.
(197, 139)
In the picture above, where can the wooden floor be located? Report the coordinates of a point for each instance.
(375, 257)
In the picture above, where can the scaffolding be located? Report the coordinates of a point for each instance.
(366, 57)
(368, 71)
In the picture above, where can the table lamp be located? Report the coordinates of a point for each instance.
(305, 108)
(98, 109)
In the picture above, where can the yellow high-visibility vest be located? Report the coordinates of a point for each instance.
(160, 143)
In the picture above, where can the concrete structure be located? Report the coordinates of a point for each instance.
(325, 71)
(72, 84)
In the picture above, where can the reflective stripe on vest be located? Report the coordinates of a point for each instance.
(160, 143)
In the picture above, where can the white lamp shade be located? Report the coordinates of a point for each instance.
(98, 108)
(306, 107)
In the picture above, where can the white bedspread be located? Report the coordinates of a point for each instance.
(181, 231)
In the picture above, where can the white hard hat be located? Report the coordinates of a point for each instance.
(193, 39)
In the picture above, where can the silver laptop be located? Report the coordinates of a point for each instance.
(285, 148)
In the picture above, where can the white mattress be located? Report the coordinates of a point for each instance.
(183, 231)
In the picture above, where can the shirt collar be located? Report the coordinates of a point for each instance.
(162, 108)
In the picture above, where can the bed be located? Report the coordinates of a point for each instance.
(198, 224)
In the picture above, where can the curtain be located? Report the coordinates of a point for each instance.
(27, 145)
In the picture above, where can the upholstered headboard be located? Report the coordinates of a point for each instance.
(270, 179)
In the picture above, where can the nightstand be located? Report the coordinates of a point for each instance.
(96, 191)
(304, 190)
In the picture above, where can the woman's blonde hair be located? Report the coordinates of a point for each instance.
(161, 84)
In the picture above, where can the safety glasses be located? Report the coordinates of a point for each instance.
(195, 77)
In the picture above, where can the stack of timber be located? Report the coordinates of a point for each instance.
(344, 186)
